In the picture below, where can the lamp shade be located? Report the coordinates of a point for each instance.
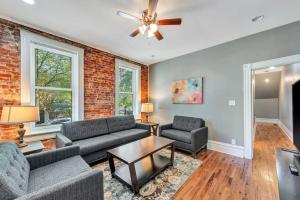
(19, 114)
(147, 107)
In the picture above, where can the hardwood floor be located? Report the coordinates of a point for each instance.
(222, 176)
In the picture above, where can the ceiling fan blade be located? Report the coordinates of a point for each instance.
(128, 16)
(152, 8)
(158, 35)
(175, 21)
(135, 33)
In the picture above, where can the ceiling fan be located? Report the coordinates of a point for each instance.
(149, 21)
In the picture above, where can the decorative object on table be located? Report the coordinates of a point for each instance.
(147, 108)
(32, 147)
(188, 91)
(154, 127)
(20, 115)
(163, 186)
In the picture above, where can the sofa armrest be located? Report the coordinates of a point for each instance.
(44, 158)
(62, 141)
(143, 126)
(164, 127)
(199, 137)
(87, 185)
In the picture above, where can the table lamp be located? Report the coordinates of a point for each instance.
(147, 108)
(20, 115)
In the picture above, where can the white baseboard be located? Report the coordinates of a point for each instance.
(286, 131)
(230, 149)
(267, 120)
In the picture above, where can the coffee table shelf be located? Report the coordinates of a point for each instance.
(146, 169)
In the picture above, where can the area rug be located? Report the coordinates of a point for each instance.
(162, 187)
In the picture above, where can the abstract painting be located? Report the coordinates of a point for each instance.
(188, 91)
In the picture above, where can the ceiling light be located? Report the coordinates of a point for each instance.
(267, 80)
(272, 67)
(258, 18)
(31, 2)
(142, 29)
(153, 27)
(150, 33)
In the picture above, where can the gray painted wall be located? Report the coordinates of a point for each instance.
(269, 90)
(221, 67)
(290, 75)
(266, 108)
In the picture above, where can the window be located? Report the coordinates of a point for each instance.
(52, 78)
(127, 88)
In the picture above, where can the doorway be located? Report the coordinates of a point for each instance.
(249, 84)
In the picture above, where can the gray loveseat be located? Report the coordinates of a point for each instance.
(53, 175)
(190, 133)
(96, 136)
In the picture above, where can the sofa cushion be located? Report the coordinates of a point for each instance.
(84, 129)
(178, 135)
(187, 123)
(56, 172)
(131, 134)
(94, 144)
(14, 172)
(120, 123)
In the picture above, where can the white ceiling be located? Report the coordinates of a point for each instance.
(206, 23)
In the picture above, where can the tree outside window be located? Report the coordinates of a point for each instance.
(53, 87)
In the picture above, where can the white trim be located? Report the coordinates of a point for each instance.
(230, 149)
(248, 100)
(286, 131)
(30, 41)
(248, 114)
(136, 90)
(267, 120)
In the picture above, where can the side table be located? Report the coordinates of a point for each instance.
(153, 125)
(32, 147)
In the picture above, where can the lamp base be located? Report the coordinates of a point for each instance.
(21, 133)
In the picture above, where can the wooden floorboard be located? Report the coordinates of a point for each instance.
(223, 176)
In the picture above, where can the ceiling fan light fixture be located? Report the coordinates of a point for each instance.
(31, 2)
(142, 29)
(150, 33)
(153, 27)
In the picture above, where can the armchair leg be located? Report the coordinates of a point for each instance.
(194, 155)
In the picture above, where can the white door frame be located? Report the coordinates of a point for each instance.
(248, 97)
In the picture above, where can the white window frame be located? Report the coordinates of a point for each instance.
(31, 41)
(136, 87)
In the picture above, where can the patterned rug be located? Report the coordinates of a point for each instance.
(162, 187)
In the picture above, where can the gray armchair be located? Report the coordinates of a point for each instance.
(190, 133)
(60, 174)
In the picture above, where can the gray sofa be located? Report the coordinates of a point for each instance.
(96, 136)
(190, 133)
(53, 175)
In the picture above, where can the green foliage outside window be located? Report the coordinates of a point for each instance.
(125, 91)
(54, 83)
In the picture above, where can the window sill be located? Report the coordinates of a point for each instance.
(41, 134)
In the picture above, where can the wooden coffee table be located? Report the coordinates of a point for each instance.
(142, 161)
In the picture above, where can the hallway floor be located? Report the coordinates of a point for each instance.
(223, 176)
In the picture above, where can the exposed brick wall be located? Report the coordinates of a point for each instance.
(99, 76)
